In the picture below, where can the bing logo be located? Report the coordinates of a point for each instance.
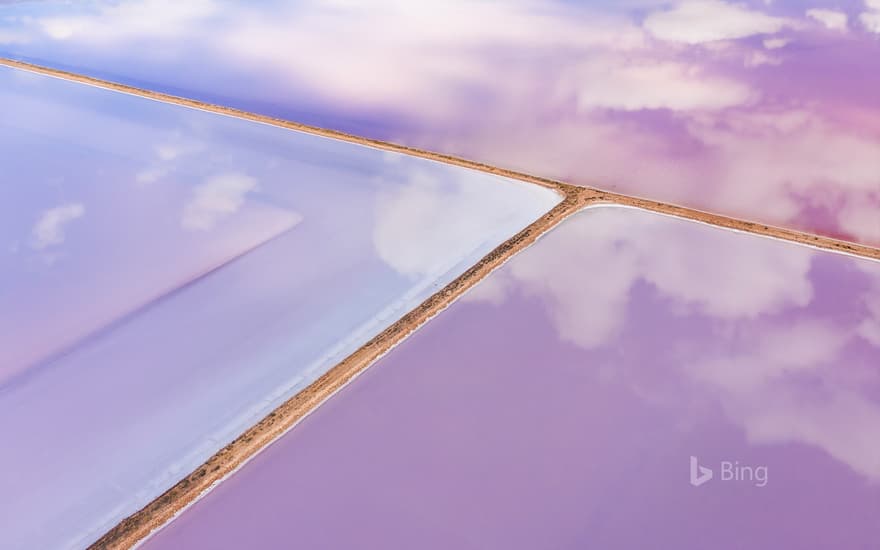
(730, 471)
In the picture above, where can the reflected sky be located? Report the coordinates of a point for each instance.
(763, 110)
(168, 276)
(557, 404)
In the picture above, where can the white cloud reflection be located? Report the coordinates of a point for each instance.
(775, 43)
(49, 229)
(168, 158)
(449, 211)
(699, 21)
(676, 86)
(832, 19)
(702, 271)
(871, 17)
(125, 21)
(792, 387)
(218, 197)
(780, 369)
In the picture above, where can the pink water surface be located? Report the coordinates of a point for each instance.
(557, 405)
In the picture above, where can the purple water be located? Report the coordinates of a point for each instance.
(559, 403)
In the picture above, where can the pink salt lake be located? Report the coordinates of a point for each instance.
(558, 405)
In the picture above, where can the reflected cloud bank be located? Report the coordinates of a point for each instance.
(413, 221)
(589, 308)
(690, 102)
(782, 374)
(701, 21)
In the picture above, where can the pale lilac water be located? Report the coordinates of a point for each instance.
(169, 276)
